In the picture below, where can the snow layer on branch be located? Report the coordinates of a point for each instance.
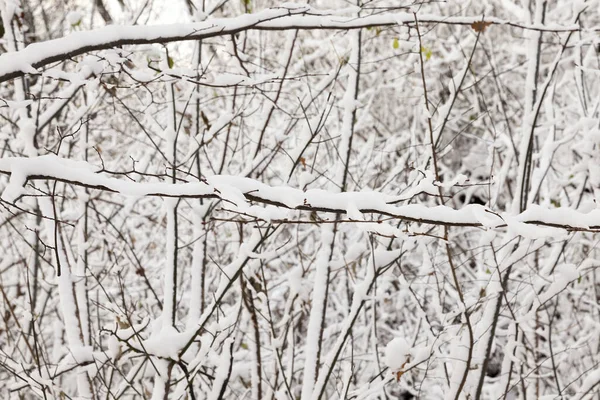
(238, 190)
(397, 353)
(42, 53)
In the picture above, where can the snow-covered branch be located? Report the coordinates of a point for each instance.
(40, 54)
(240, 192)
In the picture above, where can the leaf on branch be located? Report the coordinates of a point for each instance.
(122, 324)
(427, 52)
(74, 18)
(396, 44)
(401, 372)
(205, 120)
(480, 26)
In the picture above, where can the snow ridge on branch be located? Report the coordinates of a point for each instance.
(37, 55)
(239, 191)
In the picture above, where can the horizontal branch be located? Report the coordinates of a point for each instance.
(39, 54)
(241, 192)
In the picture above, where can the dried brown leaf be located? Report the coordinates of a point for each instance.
(480, 26)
